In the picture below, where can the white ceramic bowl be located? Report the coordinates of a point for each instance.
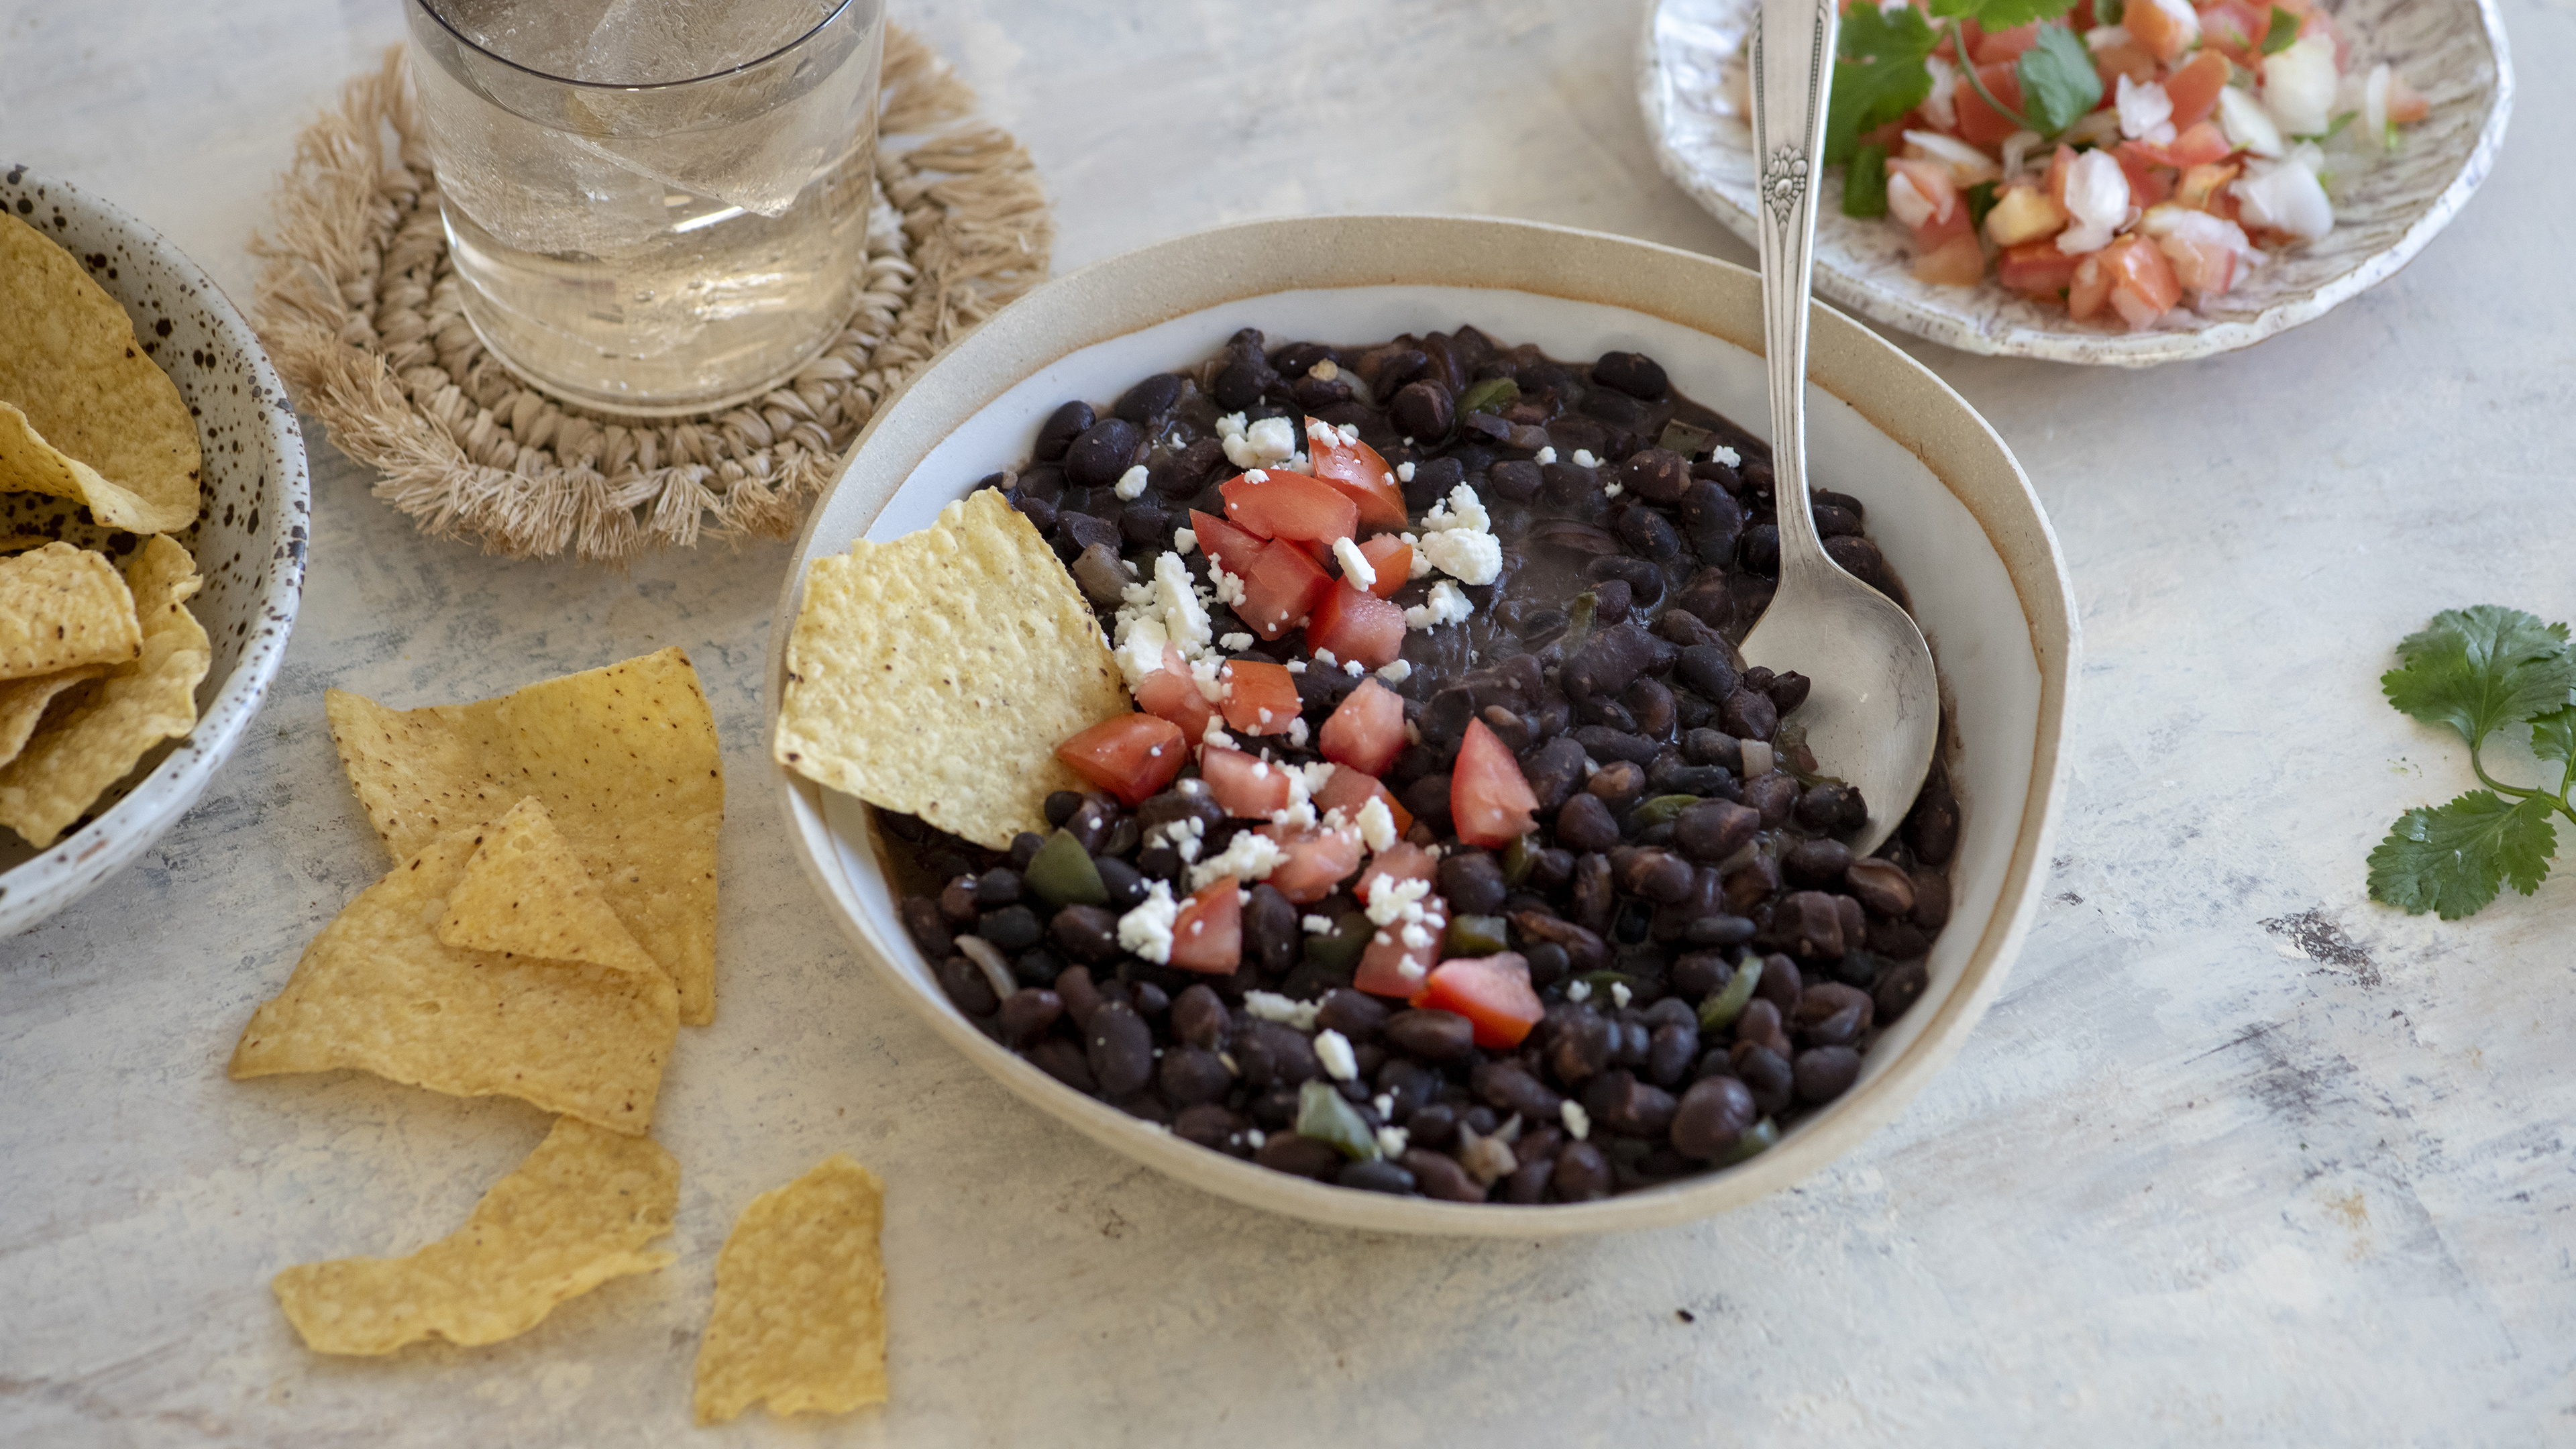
(1946, 502)
(2451, 50)
(249, 537)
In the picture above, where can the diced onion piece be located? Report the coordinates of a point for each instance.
(2299, 86)
(2097, 197)
(1967, 165)
(2286, 196)
(2374, 108)
(2248, 126)
(2142, 109)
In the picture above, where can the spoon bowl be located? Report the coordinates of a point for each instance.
(1873, 711)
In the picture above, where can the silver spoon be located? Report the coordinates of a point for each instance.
(1873, 713)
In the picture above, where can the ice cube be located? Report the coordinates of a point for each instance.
(656, 42)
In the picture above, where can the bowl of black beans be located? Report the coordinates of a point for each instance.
(1489, 890)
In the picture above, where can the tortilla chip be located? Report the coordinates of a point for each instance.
(571, 1217)
(84, 413)
(936, 674)
(20, 542)
(62, 607)
(378, 992)
(525, 893)
(799, 1315)
(77, 753)
(624, 759)
(23, 701)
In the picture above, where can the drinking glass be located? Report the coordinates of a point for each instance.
(654, 207)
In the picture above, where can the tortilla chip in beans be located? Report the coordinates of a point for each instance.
(62, 607)
(575, 1214)
(84, 412)
(78, 752)
(525, 892)
(623, 758)
(936, 674)
(379, 992)
(799, 1314)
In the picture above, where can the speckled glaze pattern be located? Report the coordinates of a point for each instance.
(1690, 85)
(249, 538)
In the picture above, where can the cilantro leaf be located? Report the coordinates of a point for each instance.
(2553, 735)
(1880, 77)
(1865, 182)
(2058, 82)
(1994, 15)
(2453, 858)
(2283, 34)
(2479, 670)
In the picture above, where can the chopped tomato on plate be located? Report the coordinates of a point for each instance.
(1207, 935)
(1356, 624)
(1280, 504)
(1366, 730)
(1258, 697)
(1492, 992)
(1489, 798)
(1132, 756)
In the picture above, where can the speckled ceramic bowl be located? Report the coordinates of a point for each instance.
(1690, 84)
(249, 536)
(1946, 502)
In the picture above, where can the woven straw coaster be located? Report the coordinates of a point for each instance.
(358, 305)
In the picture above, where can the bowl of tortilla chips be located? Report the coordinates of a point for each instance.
(153, 521)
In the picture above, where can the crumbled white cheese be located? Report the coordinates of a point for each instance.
(1165, 611)
(1296, 666)
(1619, 993)
(1249, 857)
(1215, 734)
(1613, 489)
(1354, 668)
(1334, 1050)
(1235, 643)
(1396, 673)
(1316, 926)
(1255, 1138)
(1458, 539)
(1325, 371)
(1184, 540)
(1404, 472)
(1544, 455)
(1446, 606)
(1131, 484)
(1297, 732)
(1377, 826)
(1325, 658)
(1229, 587)
(1578, 1123)
(1415, 937)
(1724, 454)
(1583, 459)
(1396, 901)
(1357, 571)
(1579, 991)
(1392, 1141)
(1147, 930)
(1271, 440)
(1271, 1006)
(1184, 836)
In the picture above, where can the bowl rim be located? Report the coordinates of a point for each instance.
(37, 887)
(2111, 349)
(1337, 252)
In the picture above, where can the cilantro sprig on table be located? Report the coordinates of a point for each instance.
(1882, 73)
(2481, 671)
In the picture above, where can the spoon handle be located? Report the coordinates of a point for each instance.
(1793, 56)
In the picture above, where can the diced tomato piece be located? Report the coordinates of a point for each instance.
(1998, 45)
(1922, 196)
(1366, 730)
(2127, 58)
(2202, 144)
(2143, 285)
(1356, 471)
(1356, 624)
(1390, 966)
(2090, 292)
(1349, 791)
(1981, 124)
(1258, 697)
(2200, 266)
(2201, 185)
(1280, 504)
(2193, 88)
(2060, 166)
(2164, 36)
(2235, 31)
(1245, 787)
(1318, 860)
(1392, 557)
(1207, 935)
(1280, 588)
(2037, 268)
(1231, 548)
(1493, 992)
(1171, 693)
(2149, 180)
(1958, 262)
(1131, 756)
(1489, 798)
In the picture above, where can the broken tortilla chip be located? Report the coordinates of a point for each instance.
(77, 753)
(84, 411)
(575, 1214)
(936, 674)
(62, 607)
(624, 760)
(525, 892)
(379, 992)
(799, 1314)
(23, 702)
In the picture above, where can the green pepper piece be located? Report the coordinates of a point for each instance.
(1727, 1002)
(1490, 396)
(1476, 936)
(1520, 858)
(1324, 1116)
(1660, 809)
(1340, 950)
(1064, 874)
(1684, 439)
(1865, 182)
(1759, 1138)
(1578, 620)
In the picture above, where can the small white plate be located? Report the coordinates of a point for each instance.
(249, 537)
(2453, 51)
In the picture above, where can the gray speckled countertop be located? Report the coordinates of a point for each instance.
(2238, 1158)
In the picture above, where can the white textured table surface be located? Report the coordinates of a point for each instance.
(2187, 1184)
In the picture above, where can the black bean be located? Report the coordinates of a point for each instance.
(1087, 934)
(1584, 948)
(1654, 875)
(1125, 883)
(1438, 1175)
(1821, 807)
(1619, 1103)
(1086, 532)
(1380, 1176)
(1713, 830)
(1149, 402)
(1120, 1048)
(1091, 825)
(1080, 994)
(1773, 796)
(1817, 863)
(1065, 1061)
(1586, 824)
(1651, 705)
(1434, 1124)
(1898, 990)
(1209, 1125)
(1507, 1086)
(1882, 885)
(1582, 1173)
(1428, 800)
(1355, 1014)
(1012, 928)
(1932, 826)
(1713, 747)
(1781, 982)
(1618, 785)
(1832, 1014)
(1189, 799)
(1610, 714)
(1862, 560)
(929, 931)
(1431, 1035)
(1714, 523)
(1633, 373)
(1041, 513)
(1192, 1075)
(1657, 475)
(1766, 1074)
(1300, 1156)
(966, 985)
(1670, 1052)
(1423, 410)
(1617, 409)
(1444, 718)
(1719, 929)
(1710, 670)
(1060, 429)
(1603, 745)
(1826, 1072)
(1809, 925)
(1761, 1025)
(1712, 1116)
(1199, 1017)
(1271, 1055)
(1898, 940)
(1037, 966)
(1752, 883)
(1789, 691)
(1528, 1182)
(1103, 452)
(1190, 470)
(1272, 936)
(1610, 658)
(1028, 1014)
(1758, 550)
(1578, 1045)
(1748, 715)
(1471, 881)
